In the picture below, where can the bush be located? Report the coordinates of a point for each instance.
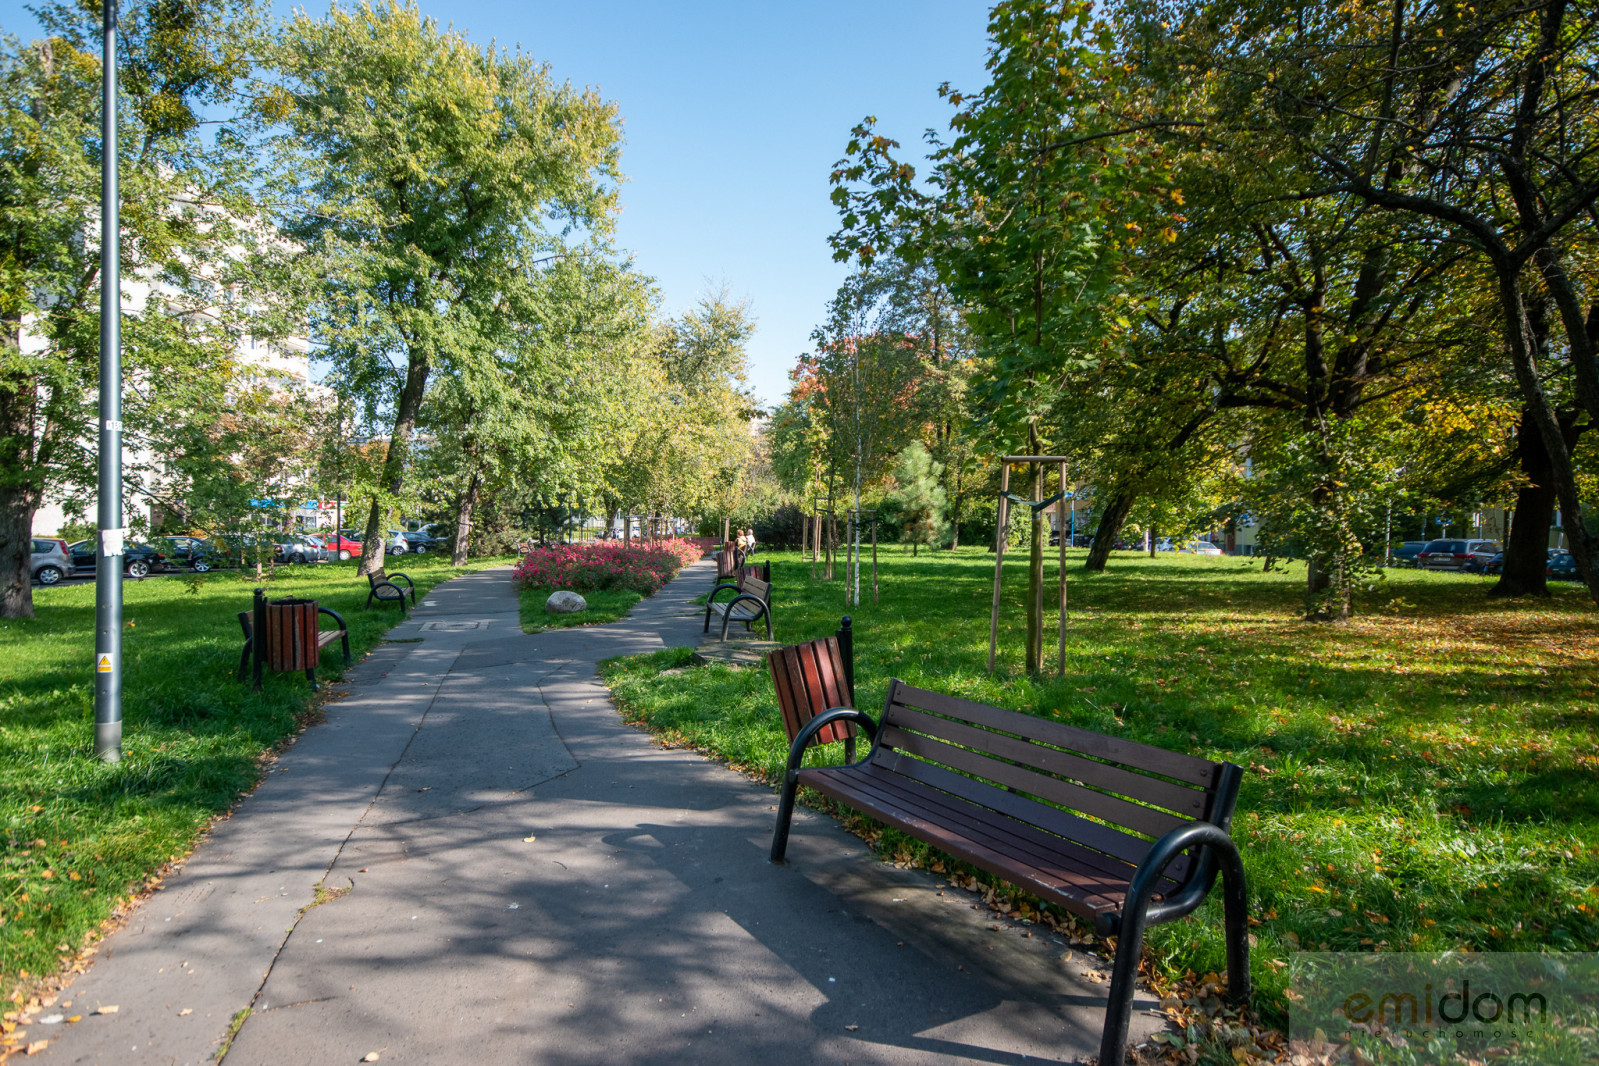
(641, 568)
(783, 528)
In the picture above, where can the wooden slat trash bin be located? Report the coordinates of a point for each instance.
(289, 637)
(291, 634)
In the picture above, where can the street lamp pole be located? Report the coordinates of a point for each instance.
(108, 562)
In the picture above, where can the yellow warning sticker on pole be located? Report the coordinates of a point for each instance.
(102, 664)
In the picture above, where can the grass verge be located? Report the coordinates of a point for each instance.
(607, 605)
(1423, 778)
(82, 835)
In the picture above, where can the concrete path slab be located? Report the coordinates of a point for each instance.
(473, 860)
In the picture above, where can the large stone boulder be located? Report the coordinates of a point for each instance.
(565, 601)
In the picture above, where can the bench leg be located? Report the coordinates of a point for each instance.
(726, 618)
(707, 628)
(310, 675)
(767, 617)
(785, 814)
(344, 638)
(244, 662)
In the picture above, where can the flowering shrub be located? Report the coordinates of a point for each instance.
(640, 567)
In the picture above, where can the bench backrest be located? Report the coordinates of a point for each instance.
(377, 576)
(1113, 796)
(810, 678)
(754, 586)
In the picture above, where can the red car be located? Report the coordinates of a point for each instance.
(339, 546)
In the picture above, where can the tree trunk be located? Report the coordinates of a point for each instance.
(20, 491)
(1110, 525)
(1526, 548)
(1562, 476)
(955, 526)
(1152, 538)
(416, 380)
(465, 503)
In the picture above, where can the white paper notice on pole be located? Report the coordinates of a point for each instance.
(113, 426)
(111, 541)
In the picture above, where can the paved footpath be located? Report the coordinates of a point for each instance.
(509, 874)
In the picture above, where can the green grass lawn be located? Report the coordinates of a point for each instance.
(607, 605)
(81, 835)
(1425, 777)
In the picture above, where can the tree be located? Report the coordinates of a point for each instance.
(419, 218)
(186, 202)
(1476, 127)
(920, 497)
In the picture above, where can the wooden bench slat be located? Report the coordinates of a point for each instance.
(1078, 892)
(1041, 848)
(1113, 809)
(1103, 838)
(1189, 803)
(795, 670)
(1187, 768)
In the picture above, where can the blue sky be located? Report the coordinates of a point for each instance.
(735, 113)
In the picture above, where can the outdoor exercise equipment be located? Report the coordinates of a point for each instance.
(1006, 498)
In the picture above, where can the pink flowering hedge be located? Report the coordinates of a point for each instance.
(640, 567)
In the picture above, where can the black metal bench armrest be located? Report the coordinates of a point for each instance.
(796, 753)
(796, 750)
(1128, 927)
(732, 588)
(331, 613)
(403, 577)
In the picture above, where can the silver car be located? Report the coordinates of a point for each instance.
(50, 561)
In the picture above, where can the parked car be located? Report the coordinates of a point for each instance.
(340, 546)
(422, 542)
(138, 560)
(1563, 567)
(1202, 547)
(1405, 554)
(1455, 554)
(187, 551)
(1495, 566)
(49, 560)
(301, 550)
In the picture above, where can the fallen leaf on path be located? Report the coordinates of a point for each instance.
(529, 839)
(112, 1009)
(370, 1056)
(36, 1047)
(185, 1010)
(851, 1028)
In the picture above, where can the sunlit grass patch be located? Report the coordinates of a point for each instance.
(604, 605)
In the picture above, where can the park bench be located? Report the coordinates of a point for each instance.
(324, 637)
(814, 678)
(383, 589)
(1124, 834)
(751, 603)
